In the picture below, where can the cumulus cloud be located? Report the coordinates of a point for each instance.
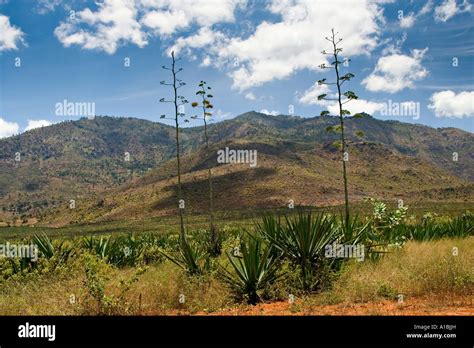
(112, 24)
(166, 17)
(271, 113)
(310, 97)
(32, 124)
(117, 22)
(450, 8)
(10, 35)
(357, 106)
(452, 105)
(8, 128)
(396, 72)
(260, 57)
(205, 36)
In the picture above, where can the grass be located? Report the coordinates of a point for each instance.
(233, 219)
(93, 275)
(419, 269)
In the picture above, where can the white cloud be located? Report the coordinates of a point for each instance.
(407, 21)
(32, 124)
(250, 96)
(45, 6)
(8, 128)
(221, 115)
(396, 72)
(450, 104)
(10, 35)
(206, 61)
(310, 97)
(166, 17)
(357, 106)
(426, 8)
(271, 113)
(112, 24)
(449, 8)
(205, 36)
(118, 22)
(277, 50)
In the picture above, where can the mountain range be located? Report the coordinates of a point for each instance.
(118, 168)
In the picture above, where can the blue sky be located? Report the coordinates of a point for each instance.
(256, 55)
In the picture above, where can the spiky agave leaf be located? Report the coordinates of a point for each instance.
(253, 270)
(302, 241)
(190, 258)
(44, 244)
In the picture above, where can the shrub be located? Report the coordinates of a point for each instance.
(253, 269)
(302, 240)
(191, 258)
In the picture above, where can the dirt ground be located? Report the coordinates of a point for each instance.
(427, 305)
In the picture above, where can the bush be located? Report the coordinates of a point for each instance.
(253, 269)
(191, 258)
(302, 240)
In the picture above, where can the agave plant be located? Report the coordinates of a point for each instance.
(44, 244)
(461, 226)
(427, 231)
(253, 269)
(125, 250)
(61, 252)
(271, 230)
(354, 230)
(98, 246)
(302, 240)
(191, 258)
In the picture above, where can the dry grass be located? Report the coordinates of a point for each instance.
(421, 270)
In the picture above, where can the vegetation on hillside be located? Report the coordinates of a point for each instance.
(111, 275)
(391, 154)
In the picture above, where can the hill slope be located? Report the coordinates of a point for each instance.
(86, 160)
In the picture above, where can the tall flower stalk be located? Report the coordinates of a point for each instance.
(215, 243)
(178, 102)
(341, 99)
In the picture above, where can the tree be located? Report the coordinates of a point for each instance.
(178, 102)
(215, 242)
(349, 96)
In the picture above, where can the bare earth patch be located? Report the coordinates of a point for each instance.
(426, 305)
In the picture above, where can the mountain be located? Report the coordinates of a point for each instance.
(115, 168)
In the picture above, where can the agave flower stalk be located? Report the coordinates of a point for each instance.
(178, 101)
(349, 96)
(206, 106)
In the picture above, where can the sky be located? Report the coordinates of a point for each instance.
(412, 60)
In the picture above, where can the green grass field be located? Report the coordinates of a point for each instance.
(236, 218)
